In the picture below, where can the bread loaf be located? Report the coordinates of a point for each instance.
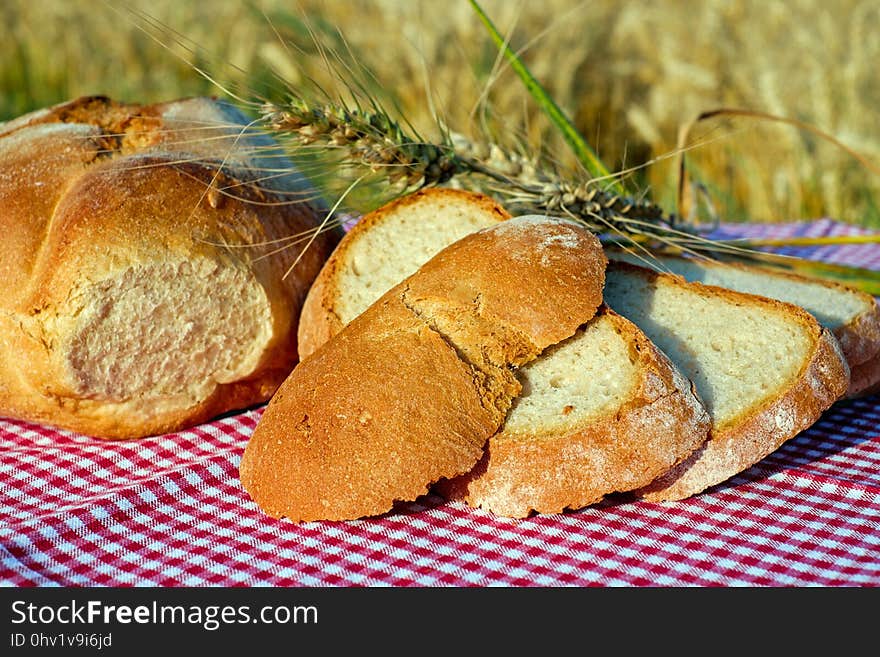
(851, 315)
(765, 369)
(411, 389)
(137, 293)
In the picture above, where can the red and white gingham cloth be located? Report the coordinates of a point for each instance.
(169, 511)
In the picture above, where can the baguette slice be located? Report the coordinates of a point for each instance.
(852, 315)
(411, 389)
(765, 369)
(369, 262)
(603, 412)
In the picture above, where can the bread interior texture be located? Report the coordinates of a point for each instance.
(576, 382)
(170, 329)
(738, 355)
(831, 305)
(397, 246)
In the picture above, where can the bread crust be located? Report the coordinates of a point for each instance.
(355, 428)
(99, 189)
(411, 389)
(320, 319)
(864, 379)
(661, 423)
(860, 338)
(745, 440)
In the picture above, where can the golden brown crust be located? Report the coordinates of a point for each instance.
(85, 203)
(117, 122)
(35, 170)
(392, 403)
(320, 318)
(354, 428)
(522, 288)
(860, 338)
(864, 379)
(821, 382)
(662, 422)
(135, 420)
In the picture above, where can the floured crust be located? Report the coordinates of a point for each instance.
(107, 196)
(410, 390)
(660, 424)
(531, 274)
(320, 318)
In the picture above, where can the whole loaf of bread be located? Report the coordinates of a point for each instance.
(411, 390)
(142, 287)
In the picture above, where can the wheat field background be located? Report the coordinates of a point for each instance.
(629, 72)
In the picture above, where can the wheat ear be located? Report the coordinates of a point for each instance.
(372, 139)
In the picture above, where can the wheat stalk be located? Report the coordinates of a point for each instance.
(372, 139)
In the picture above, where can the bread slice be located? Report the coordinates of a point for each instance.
(852, 315)
(602, 412)
(765, 369)
(605, 411)
(383, 248)
(412, 388)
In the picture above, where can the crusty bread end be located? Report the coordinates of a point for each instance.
(410, 390)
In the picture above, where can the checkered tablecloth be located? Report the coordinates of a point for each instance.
(169, 511)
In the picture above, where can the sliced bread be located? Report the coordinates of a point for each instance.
(852, 315)
(765, 369)
(411, 389)
(603, 412)
(383, 248)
